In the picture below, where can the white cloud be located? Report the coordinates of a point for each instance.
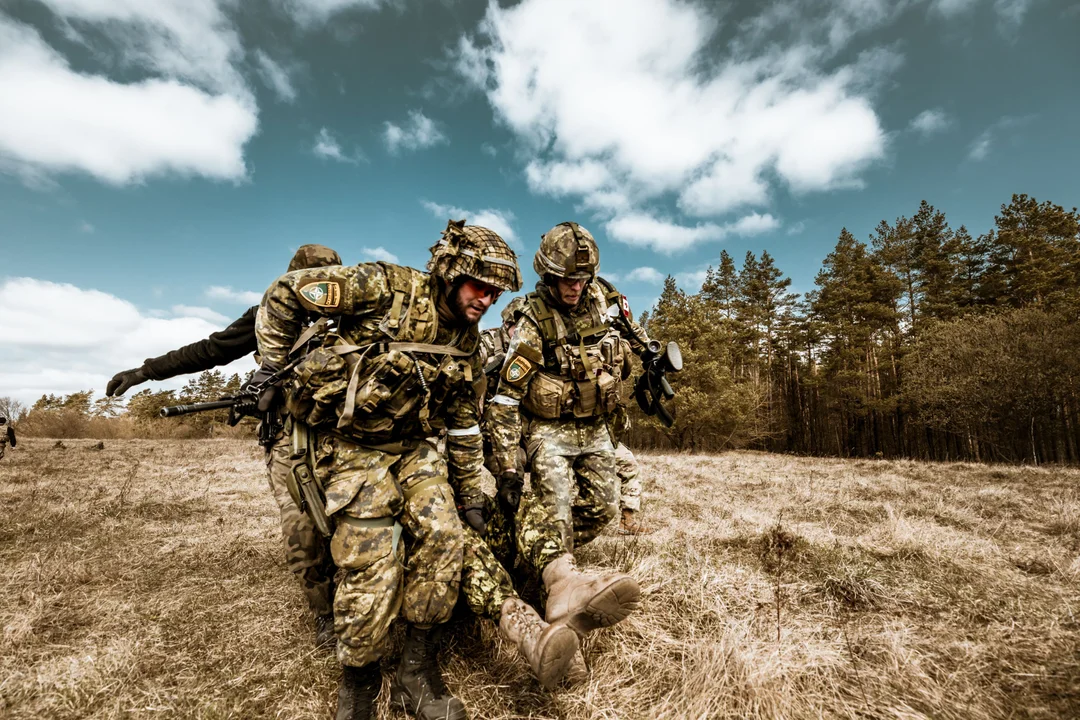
(86, 227)
(53, 119)
(379, 254)
(980, 147)
(313, 12)
(643, 111)
(327, 146)
(1005, 126)
(488, 149)
(204, 313)
(644, 230)
(60, 339)
(245, 297)
(646, 274)
(797, 228)
(691, 280)
(497, 220)
(275, 77)
(1010, 13)
(930, 122)
(417, 133)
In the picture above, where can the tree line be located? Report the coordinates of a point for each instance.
(921, 342)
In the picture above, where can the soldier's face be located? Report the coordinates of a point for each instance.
(472, 299)
(569, 291)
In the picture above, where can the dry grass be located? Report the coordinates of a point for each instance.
(146, 579)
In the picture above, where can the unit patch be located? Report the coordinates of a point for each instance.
(323, 294)
(517, 370)
(624, 305)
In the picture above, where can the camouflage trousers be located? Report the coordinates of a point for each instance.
(564, 454)
(485, 582)
(307, 553)
(373, 496)
(626, 466)
(3, 445)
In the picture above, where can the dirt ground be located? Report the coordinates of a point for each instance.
(146, 579)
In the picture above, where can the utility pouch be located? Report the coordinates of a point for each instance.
(317, 387)
(607, 391)
(547, 396)
(304, 487)
(585, 403)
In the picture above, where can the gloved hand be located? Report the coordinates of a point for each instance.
(267, 394)
(474, 516)
(121, 381)
(509, 493)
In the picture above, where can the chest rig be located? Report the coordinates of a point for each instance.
(384, 375)
(584, 357)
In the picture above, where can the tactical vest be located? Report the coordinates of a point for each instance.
(584, 363)
(379, 378)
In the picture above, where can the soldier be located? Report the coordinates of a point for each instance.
(7, 435)
(561, 377)
(400, 367)
(307, 553)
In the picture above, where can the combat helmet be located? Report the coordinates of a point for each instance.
(475, 252)
(513, 309)
(567, 251)
(313, 256)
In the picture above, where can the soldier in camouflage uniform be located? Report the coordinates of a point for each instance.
(400, 366)
(561, 381)
(7, 435)
(307, 553)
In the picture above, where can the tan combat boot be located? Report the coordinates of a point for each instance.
(585, 601)
(549, 649)
(578, 672)
(630, 525)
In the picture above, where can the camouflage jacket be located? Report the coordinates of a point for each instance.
(577, 367)
(389, 333)
(493, 344)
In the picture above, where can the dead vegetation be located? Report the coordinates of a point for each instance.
(145, 579)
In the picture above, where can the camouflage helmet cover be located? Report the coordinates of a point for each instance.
(567, 251)
(513, 309)
(475, 252)
(313, 256)
(3, 420)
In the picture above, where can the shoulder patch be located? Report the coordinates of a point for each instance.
(322, 293)
(517, 370)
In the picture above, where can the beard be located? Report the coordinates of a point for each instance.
(467, 313)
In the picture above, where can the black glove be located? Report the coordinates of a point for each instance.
(474, 515)
(267, 394)
(509, 494)
(121, 381)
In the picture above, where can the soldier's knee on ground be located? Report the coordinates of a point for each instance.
(368, 598)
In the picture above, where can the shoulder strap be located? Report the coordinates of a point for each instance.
(412, 314)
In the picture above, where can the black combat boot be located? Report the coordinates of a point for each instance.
(358, 691)
(418, 685)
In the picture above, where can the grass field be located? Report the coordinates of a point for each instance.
(145, 579)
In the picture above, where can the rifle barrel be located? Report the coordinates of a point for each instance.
(174, 410)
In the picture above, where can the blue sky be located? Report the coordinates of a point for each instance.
(160, 160)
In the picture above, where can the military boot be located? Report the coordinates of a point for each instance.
(586, 601)
(549, 649)
(358, 691)
(418, 685)
(578, 672)
(631, 525)
(325, 637)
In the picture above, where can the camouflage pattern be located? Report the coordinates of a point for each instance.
(312, 256)
(476, 252)
(307, 553)
(485, 583)
(388, 508)
(567, 251)
(626, 466)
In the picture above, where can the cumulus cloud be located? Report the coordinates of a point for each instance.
(378, 254)
(663, 235)
(314, 12)
(59, 338)
(327, 146)
(86, 227)
(497, 220)
(275, 77)
(930, 122)
(53, 119)
(416, 133)
(244, 297)
(643, 110)
(649, 275)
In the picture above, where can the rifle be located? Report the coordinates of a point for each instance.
(244, 404)
(653, 384)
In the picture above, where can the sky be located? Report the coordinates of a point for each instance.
(161, 160)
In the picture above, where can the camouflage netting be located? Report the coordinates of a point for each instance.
(475, 252)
